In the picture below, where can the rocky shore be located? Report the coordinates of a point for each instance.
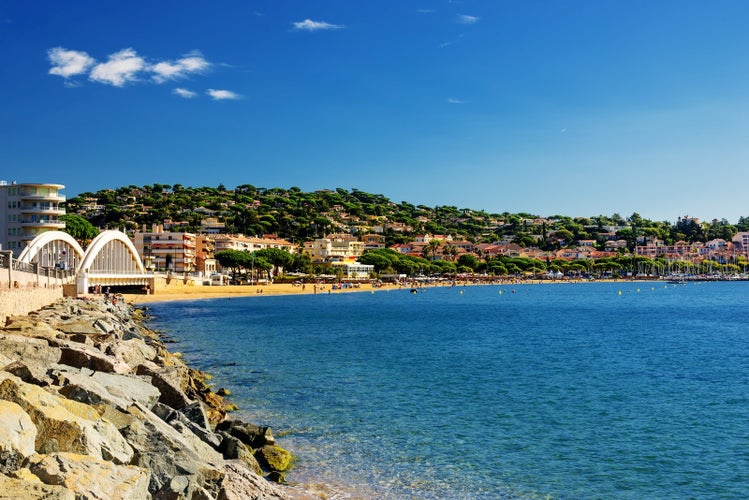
(92, 406)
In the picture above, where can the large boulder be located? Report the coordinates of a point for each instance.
(171, 382)
(30, 372)
(169, 452)
(17, 436)
(95, 388)
(30, 350)
(83, 356)
(234, 449)
(89, 477)
(239, 483)
(65, 425)
(29, 327)
(252, 435)
(274, 458)
(132, 352)
(82, 326)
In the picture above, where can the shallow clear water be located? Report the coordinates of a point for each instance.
(634, 390)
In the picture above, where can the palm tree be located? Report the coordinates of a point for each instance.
(432, 248)
(450, 251)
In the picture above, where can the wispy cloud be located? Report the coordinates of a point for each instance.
(465, 19)
(451, 42)
(121, 68)
(222, 95)
(453, 100)
(127, 66)
(174, 70)
(67, 63)
(310, 25)
(187, 94)
(424, 11)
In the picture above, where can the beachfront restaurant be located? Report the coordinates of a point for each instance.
(354, 270)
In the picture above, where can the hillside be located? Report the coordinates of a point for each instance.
(299, 216)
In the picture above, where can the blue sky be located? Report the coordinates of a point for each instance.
(550, 107)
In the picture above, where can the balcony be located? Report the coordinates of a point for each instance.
(45, 197)
(43, 222)
(43, 210)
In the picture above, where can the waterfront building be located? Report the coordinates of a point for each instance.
(334, 248)
(205, 247)
(354, 270)
(241, 242)
(26, 211)
(167, 250)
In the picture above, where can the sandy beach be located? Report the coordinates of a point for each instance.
(179, 291)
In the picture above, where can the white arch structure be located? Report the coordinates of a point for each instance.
(51, 249)
(111, 260)
(110, 252)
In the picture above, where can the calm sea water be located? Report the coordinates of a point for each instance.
(635, 390)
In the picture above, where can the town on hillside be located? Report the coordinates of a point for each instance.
(256, 235)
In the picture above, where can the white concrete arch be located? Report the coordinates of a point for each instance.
(50, 245)
(111, 252)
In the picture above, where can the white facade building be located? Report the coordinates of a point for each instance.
(26, 211)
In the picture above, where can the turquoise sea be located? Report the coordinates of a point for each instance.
(599, 390)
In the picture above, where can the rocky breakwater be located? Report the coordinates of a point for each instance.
(93, 406)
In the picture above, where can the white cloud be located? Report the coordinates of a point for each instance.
(121, 68)
(173, 70)
(453, 100)
(67, 63)
(464, 19)
(222, 95)
(424, 11)
(187, 94)
(310, 25)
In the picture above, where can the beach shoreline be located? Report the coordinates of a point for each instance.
(185, 292)
(179, 291)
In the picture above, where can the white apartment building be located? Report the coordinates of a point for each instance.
(240, 242)
(27, 210)
(334, 248)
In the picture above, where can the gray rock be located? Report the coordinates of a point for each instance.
(195, 413)
(81, 356)
(132, 352)
(170, 416)
(167, 381)
(252, 435)
(234, 449)
(104, 326)
(29, 350)
(239, 483)
(96, 388)
(79, 326)
(170, 452)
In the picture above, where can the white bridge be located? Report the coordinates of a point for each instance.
(111, 259)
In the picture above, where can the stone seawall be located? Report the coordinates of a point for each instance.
(20, 301)
(93, 406)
